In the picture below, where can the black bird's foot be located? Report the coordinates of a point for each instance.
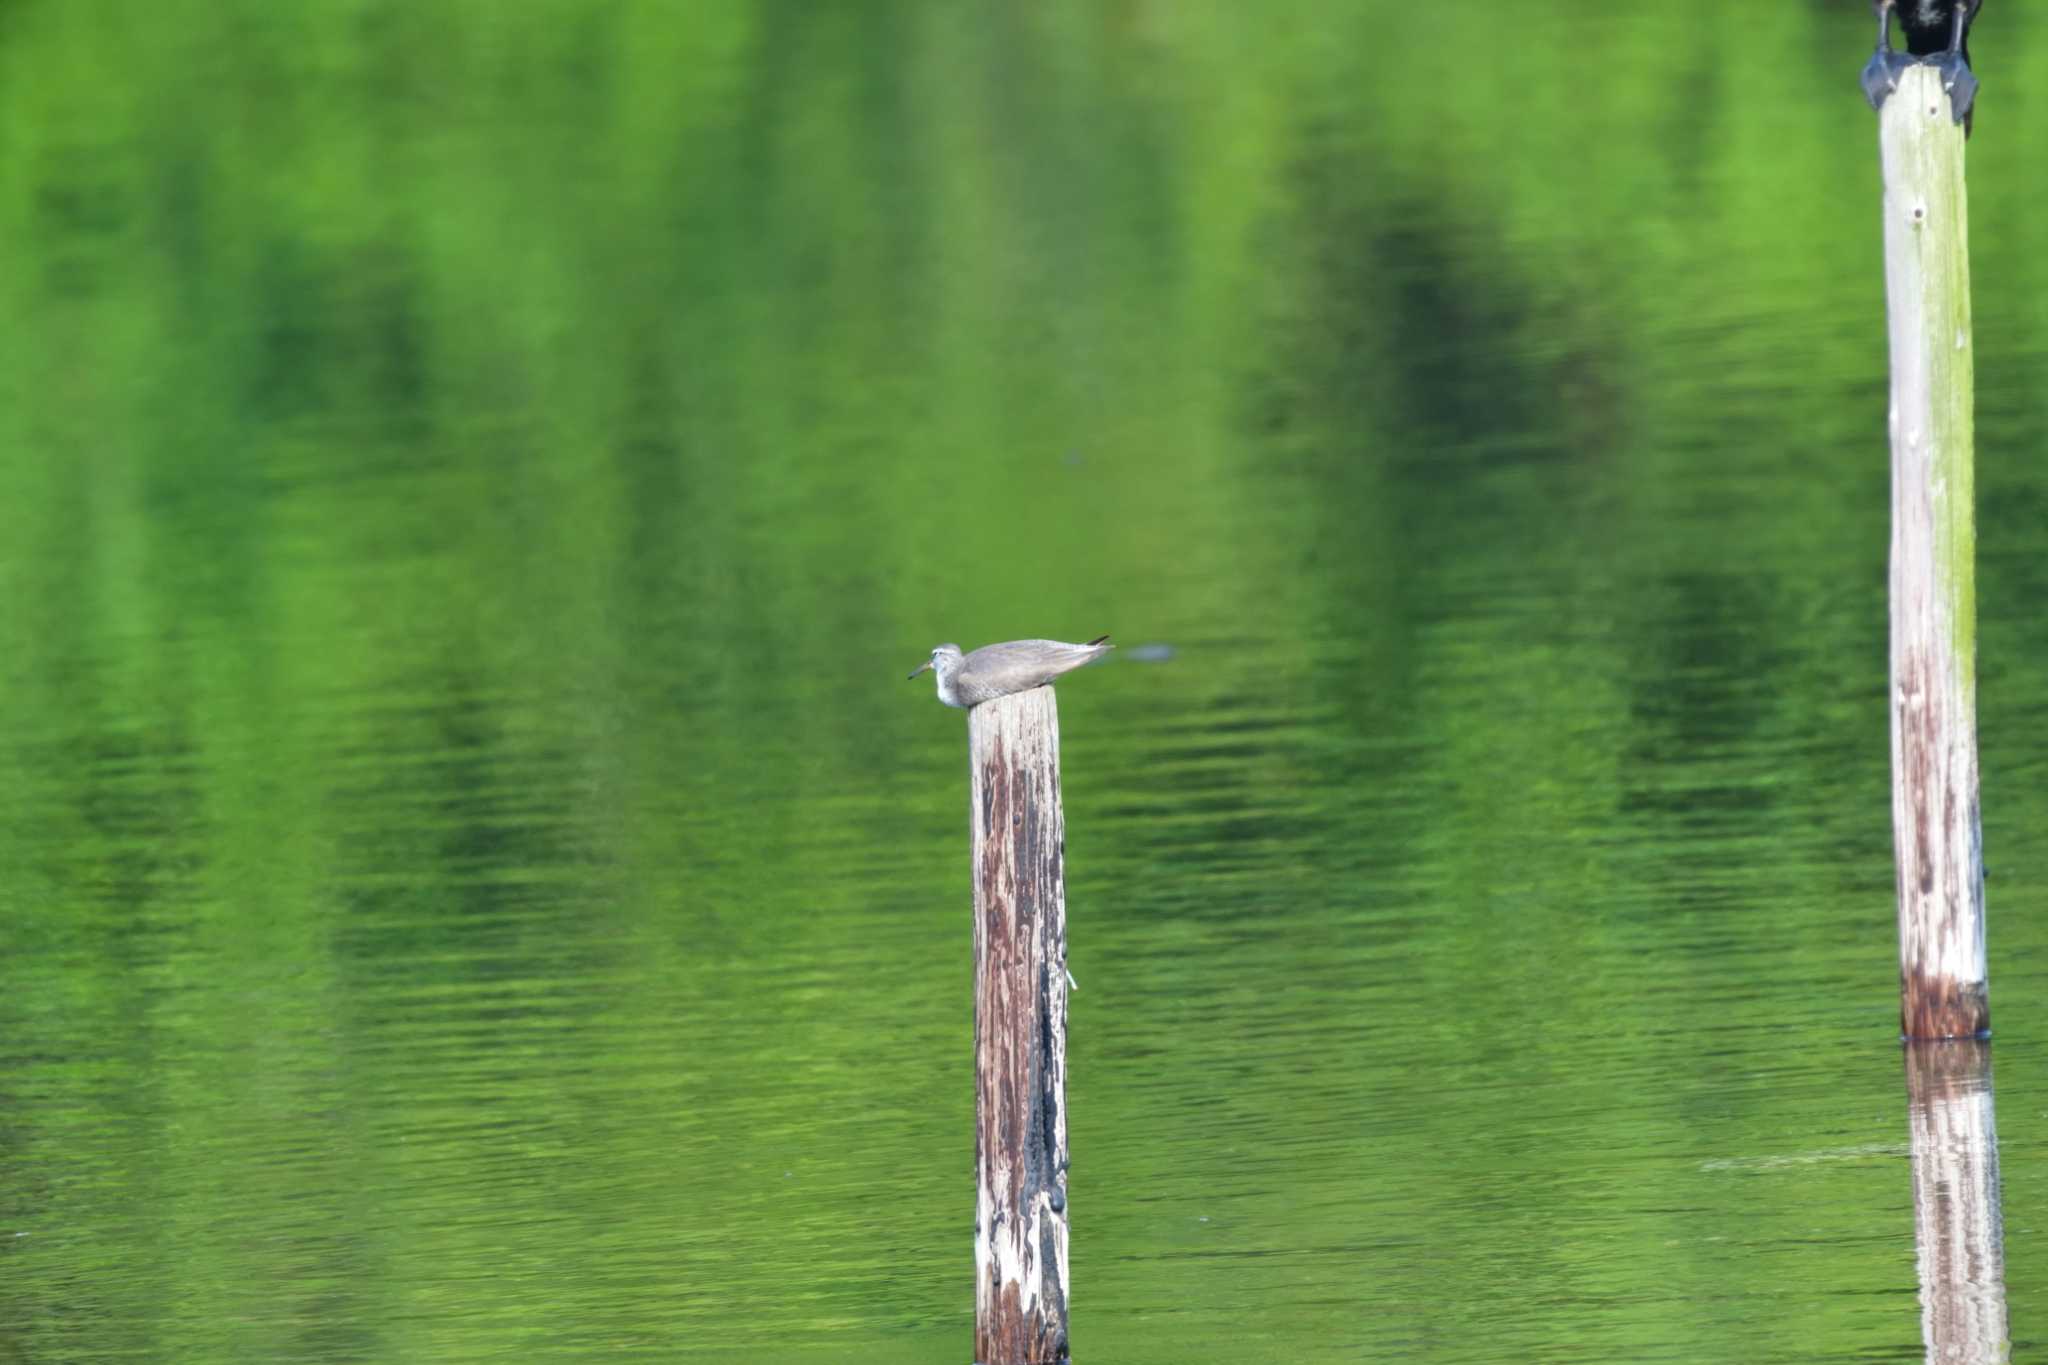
(1881, 75)
(1958, 80)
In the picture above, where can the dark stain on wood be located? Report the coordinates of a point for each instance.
(1940, 852)
(1932, 1007)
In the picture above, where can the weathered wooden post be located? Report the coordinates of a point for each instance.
(1937, 835)
(1020, 1031)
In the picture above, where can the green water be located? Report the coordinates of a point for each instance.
(476, 885)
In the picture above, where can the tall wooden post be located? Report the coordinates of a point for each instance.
(1937, 837)
(1020, 1031)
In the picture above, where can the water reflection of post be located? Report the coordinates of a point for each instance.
(1957, 1225)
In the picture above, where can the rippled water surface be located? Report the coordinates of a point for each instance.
(475, 884)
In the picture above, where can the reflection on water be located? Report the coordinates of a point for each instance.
(1958, 1221)
(474, 883)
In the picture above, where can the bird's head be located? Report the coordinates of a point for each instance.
(944, 658)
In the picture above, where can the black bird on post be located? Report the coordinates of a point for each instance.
(1937, 34)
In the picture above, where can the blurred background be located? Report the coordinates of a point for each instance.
(475, 883)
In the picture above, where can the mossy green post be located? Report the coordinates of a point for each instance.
(1935, 822)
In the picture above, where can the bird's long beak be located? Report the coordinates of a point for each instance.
(921, 668)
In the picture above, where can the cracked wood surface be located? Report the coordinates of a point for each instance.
(1020, 1031)
(1936, 827)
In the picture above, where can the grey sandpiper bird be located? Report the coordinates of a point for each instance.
(993, 671)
